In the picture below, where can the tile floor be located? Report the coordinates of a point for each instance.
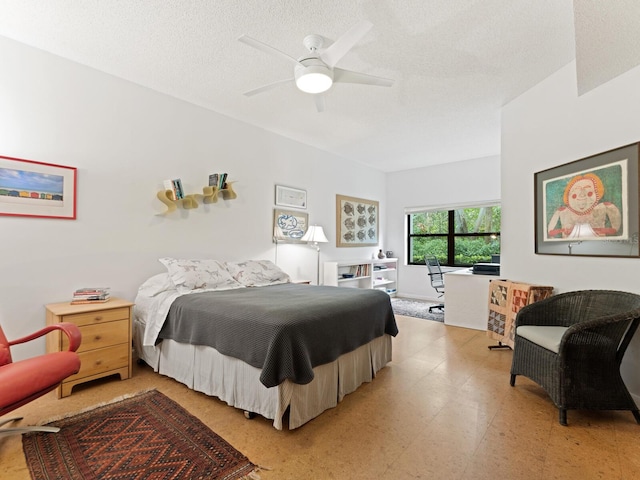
(443, 409)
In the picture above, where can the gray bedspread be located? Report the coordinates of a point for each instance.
(285, 330)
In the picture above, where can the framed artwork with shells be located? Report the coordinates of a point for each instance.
(356, 222)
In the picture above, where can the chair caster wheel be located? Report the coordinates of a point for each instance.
(249, 415)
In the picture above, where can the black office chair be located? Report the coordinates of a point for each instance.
(437, 280)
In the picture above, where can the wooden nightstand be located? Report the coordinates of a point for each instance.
(106, 339)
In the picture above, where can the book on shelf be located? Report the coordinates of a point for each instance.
(218, 180)
(360, 270)
(177, 184)
(175, 187)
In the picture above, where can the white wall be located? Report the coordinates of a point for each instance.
(460, 183)
(125, 140)
(549, 126)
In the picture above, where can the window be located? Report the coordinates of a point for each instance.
(457, 238)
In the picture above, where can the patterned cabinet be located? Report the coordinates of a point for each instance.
(506, 298)
(106, 339)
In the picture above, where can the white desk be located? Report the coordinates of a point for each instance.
(466, 299)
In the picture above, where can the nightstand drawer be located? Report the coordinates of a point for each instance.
(100, 336)
(97, 317)
(102, 360)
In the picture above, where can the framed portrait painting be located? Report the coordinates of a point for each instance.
(590, 206)
(37, 189)
(356, 222)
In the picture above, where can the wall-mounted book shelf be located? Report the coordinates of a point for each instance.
(209, 195)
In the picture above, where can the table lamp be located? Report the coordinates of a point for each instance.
(315, 234)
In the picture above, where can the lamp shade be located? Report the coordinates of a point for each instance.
(315, 234)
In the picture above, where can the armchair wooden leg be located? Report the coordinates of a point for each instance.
(512, 382)
(562, 416)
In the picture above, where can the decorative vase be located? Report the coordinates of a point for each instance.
(380, 254)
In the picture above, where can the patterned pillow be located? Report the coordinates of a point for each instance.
(257, 273)
(199, 275)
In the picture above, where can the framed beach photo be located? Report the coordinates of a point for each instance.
(589, 206)
(356, 222)
(291, 197)
(37, 189)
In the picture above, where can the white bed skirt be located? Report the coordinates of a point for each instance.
(235, 382)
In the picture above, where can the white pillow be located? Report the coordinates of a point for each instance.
(155, 285)
(199, 275)
(257, 273)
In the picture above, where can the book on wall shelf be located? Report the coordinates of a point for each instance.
(218, 180)
(91, 295)
(177, 183)
(175, 187)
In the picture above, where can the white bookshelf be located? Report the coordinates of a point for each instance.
(381, 274)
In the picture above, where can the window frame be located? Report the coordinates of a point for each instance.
(450, 236)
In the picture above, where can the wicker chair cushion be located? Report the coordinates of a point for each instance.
(546, 337)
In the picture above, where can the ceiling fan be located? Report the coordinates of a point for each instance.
(316, 72)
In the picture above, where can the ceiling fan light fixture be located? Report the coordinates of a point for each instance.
(314, 78)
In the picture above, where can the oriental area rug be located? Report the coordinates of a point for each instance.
(416, 309)
(147, 436)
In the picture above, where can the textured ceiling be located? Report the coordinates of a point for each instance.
(454, 62)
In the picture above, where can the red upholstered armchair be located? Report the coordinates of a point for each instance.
(26, 380)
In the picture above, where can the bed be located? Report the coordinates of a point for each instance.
(242, 332)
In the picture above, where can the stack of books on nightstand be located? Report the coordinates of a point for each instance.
(90, 295)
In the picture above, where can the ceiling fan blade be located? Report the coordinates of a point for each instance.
(347, 76)
(319, 99)
(342, 45)
(257, 44)
(269, 86)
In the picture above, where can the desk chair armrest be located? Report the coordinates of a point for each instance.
(70, 330)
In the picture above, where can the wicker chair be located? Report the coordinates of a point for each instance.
(585, 335)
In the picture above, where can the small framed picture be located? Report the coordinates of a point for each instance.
(289, 225)
(291, 197)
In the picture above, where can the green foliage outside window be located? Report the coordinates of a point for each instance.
(456, 237)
